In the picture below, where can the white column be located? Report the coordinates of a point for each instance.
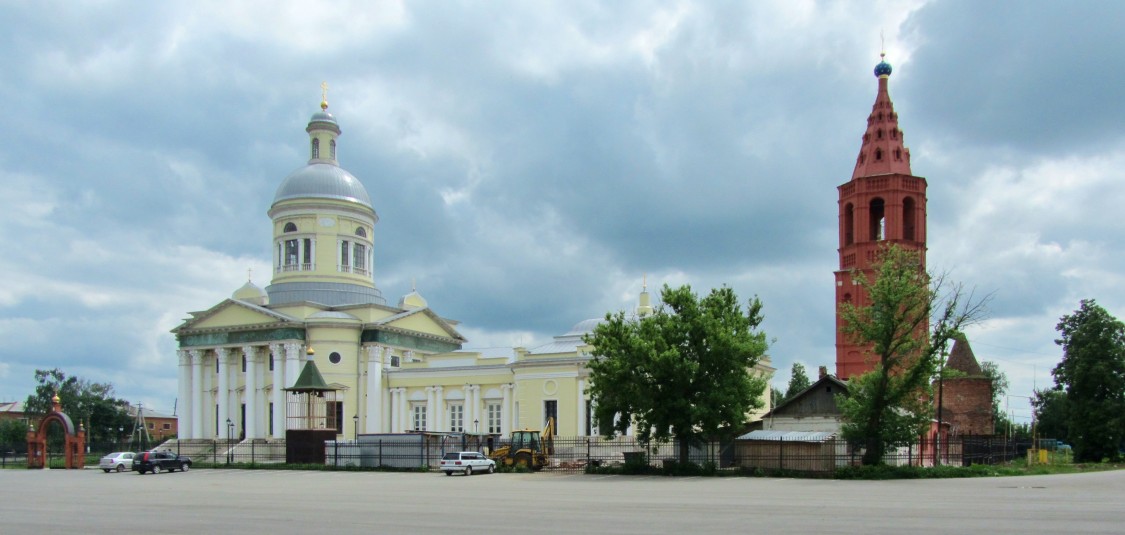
(581, 410)
(466, 410)
(251, 392)
(278, 393)
(374, 423)
(292, 366)
(395, 410)
(197, 393)
(184, 405)
(477, 414)
(506, 411)
(223, 394)
(430, 407)
(439, 409)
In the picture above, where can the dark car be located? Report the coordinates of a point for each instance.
(157, 461)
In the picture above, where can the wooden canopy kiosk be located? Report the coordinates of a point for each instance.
(307, 425)
(74, 445)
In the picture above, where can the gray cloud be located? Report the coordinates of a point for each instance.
(530, 162)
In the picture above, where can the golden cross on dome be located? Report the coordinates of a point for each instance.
(249, 276)
(324, 95)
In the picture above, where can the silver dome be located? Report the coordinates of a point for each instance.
(324, 181)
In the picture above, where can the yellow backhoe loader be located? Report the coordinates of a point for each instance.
(527, 447)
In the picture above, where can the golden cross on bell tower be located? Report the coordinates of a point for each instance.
(324, 95)
(249, 274)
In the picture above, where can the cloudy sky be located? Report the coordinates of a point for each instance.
(532, 161)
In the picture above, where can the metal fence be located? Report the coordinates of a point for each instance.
(575, 454)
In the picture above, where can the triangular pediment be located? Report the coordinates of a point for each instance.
(421, 320)
(233, 314)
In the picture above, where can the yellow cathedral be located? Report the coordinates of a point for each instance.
(396, 368)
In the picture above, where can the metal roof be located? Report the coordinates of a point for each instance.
(788, 436)
(325, 293)
(323, 181)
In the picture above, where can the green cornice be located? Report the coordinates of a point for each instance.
(377, 336)
(240, 337)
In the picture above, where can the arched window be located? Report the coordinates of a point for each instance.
(878, 155)
(360, 232)
(879, 134)
(908, 219)
(315, 148)
(849, 224)
(878, 220)
(290, 227)
(898, 155)
(333, 147)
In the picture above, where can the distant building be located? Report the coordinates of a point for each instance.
(813, 409)
(12, 410)
(966, 399)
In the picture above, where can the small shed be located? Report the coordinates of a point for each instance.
(804, 451)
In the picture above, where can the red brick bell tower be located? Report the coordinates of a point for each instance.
(882, 203)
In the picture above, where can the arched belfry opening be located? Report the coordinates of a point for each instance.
(878, 223)
(849, 224)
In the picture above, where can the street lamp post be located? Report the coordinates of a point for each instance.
(476, 427)
(355, 427)
(230, 435)
(121, 436)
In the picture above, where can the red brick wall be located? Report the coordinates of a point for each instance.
(967, 404)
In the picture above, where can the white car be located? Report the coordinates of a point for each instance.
(119, 461)
(466, 462)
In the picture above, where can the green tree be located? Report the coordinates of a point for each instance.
(13, 436)
(890, 405)
(1052, 417)
(999, 381)
(798, 381)
(87, 403)
(684, 372)
(777, 397)
(1092, 373)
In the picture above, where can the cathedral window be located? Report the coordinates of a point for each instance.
(419, 410)
(290, 227)
(345, 249)
(493, 412)
(878, 155)
(291, 250)
(315, 148)
(879, 134)
(898, 155)
(457, 418)
(332, 146)
(360, 232)
(307, 254)
(359, 258)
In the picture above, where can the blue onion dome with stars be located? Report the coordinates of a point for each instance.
(883, 68)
